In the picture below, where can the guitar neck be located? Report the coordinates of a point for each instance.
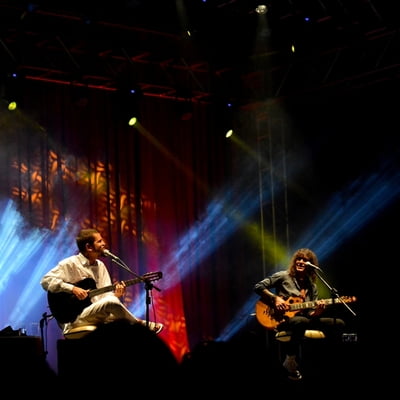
(310, 304)
(96, 292)
(149, 277)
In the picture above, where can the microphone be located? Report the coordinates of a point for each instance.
(108, 253)
(313, 266)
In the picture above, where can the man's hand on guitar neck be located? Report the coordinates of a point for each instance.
(119, 289)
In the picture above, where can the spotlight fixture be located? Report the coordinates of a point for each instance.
(128, 102)
(132, 121)
(227, 113)
(261, 9)
(12, 106)
(11, 90)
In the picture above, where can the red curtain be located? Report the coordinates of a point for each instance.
(76, 160)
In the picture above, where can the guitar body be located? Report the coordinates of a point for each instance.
(65, 307)
(269, 317)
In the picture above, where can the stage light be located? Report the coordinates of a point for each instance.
(261, 9)
(132, 121)
(12, 106)
(226, 112)
(128, 103)
(11, 90)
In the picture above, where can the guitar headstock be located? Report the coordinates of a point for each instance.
(152, 276)
(348, 299)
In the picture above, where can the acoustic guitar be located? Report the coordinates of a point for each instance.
(270, 318)
(65, 307)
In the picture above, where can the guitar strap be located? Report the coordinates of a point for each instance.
(303, 287)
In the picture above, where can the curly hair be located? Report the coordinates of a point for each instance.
(305, 254)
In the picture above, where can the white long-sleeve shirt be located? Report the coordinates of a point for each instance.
(71, 270)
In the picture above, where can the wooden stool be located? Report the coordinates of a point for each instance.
(284, 336)
(80, 331)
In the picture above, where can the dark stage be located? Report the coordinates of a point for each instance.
(249, 364)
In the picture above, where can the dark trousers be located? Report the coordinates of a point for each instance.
(297, 325)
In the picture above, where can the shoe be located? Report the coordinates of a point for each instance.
(290, 365)
(155, 327)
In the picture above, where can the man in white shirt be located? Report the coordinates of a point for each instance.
(68, 285)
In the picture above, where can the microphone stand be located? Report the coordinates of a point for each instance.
(44, 321)
(334, 292)
(147, 284)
